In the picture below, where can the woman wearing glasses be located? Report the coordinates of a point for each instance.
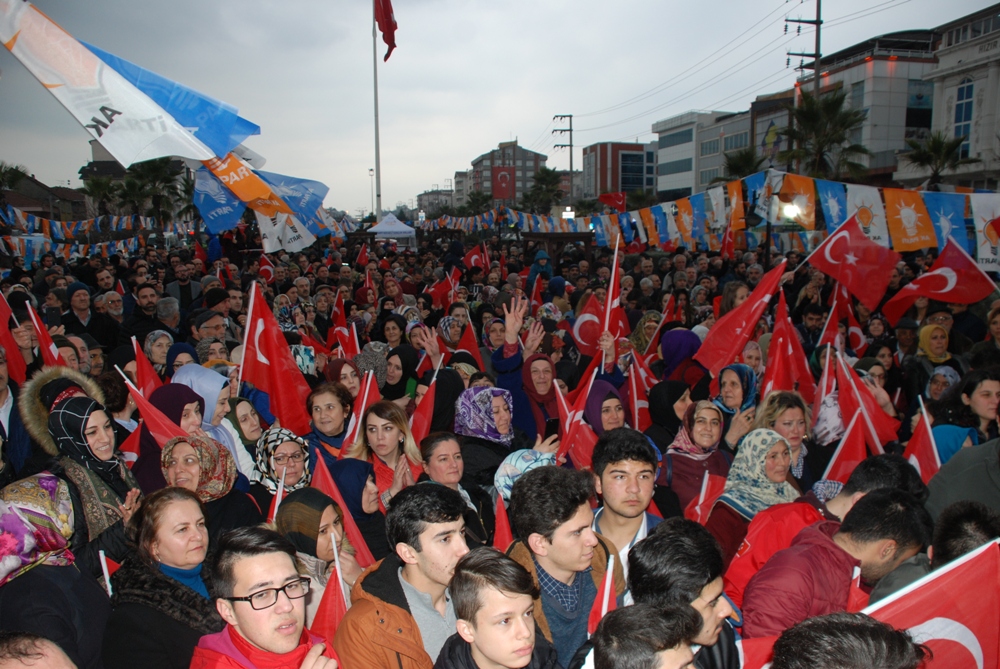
(281, 457)
(161, 603)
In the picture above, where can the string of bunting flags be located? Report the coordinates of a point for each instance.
(69, 230)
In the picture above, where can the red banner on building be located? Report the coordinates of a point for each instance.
(503, 183)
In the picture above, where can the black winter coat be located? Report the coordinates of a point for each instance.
(457, 654)
(156, 622)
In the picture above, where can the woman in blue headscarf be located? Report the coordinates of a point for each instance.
(737, 399)
(677, 348)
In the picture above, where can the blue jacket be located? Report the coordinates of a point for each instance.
(17, 443)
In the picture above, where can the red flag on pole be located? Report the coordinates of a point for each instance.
(362, 259)
(120, 287)
(130, 447)
(790, 354)
(266, 270)
(639, 403)
(385, 18)
(730, 334)
(162, 428)
(200, 254)
(420, 421)
(502, 536)
(577, 439)
(587, 328)
(879, 427)
(605, 600)
(50, 354)
(269, 365)
(954, 278)
(921, 451)
(323, 481)
(851, 451)
(614, 292)
(475, 258)
(368, 396)
(145, 375)
(16, 366)
(332, 606)
(700, 508)
(614, 200)
(855, 261)
(469, 344)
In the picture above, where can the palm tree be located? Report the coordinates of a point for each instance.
(940, 153)
(639, 199)
(544, 193)
(476, 203)
(132, 196)
(9, 176)
(820, 134)
(741, 163)
(159, 178)
(102, 191)
(587, 207)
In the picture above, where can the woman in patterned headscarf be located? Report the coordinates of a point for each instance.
(756, 482)
(156, 347)
(99, 482)
(737, 399)
(483, 418)
(644, 330)
(281, 457)
(206, 468)
(694, 451)
(450, 330)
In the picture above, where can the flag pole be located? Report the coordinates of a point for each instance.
(378, 162)
(246, 333)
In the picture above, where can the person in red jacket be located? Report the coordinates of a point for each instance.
(773, 529)
(262, 602)
(815, 576)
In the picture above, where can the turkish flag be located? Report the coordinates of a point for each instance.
(614, 298)
(469, 344)
(536, 297)
(16, 366)
(348, 341)
(269, 365)
(727, 338)
(921, 450)
(700, 508)
(266, 270)
(954, 610)
(338, 326)
(778, 373)
(420, 421)
(503, 183)
(385, 18)
(851, 451)
(145, 375)
(605, 600)
(120, 287)
(476, 257)
(162, 428)
(333, 605)
(200, 254)
(757, 653)
(639, 402)
(613, 200)
(855, 397)
(841, 309)
(502, 536)
(50, 354)
(368, 396)
(860, 264)
(576, 438)
(362, 259)
(130, 447)
(323, 481)
(796, 360)
(953, 278)
(587, 327)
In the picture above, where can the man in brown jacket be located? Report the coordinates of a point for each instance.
(401, 612)
(551, 516)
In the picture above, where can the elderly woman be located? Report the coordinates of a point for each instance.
(932, 352)
(314, 524)
(158, 343)
(246, 423)
(786, 413)
(161, 602)
(450, 330)
(444, 465)
(756, 481)
(330, 406)
(693, 452)
(483, 417)
(645, 329)
(281, 462)
(386, 442)
(204, 467)
(737, 399)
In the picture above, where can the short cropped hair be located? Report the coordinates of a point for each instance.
(631, 637)
(961, 528)
(487, 568)
(20, 646)
(846, 641)
(889, 514)
(243, 542)
(417, 506)
(338, 390)
(672, 566)
(622, 444)
(881, 472)
(543, 499)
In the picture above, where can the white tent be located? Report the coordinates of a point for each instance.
(392, 228)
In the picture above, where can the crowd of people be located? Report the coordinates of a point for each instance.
(216, 549)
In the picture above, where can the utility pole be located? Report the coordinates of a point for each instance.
(818, 22)
(560, 131)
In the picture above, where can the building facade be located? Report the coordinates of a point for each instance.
(725, 134)
(506, 172)
(461, 194)
(615, 167)
(680, 155)
(433, 202)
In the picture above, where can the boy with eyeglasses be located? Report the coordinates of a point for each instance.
(260, 595)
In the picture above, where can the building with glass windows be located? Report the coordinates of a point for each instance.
(615, 167)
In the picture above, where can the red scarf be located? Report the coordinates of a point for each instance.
(538, 401)
(265, 660)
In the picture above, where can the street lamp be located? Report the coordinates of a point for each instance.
(371, 173)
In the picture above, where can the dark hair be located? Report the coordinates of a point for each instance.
(430, 443)
(631, 637)
(543, 499)
(115, 391)
(622, 444)
(961, 528)
(951, 410)
(909, 477)
(338, 390)
(889, 514)
(729, 290)
(146, 520)
(672, 566)
(478, 376)
(878, 472)
(846, 641)
(987, 356)
(813, 310)
(243, 542)
(487, 568)
(20, 646)
(417, 506)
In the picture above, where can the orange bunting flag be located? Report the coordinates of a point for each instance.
(700, 508)
(145, 376)
(798, 200)
(684, 219)
(737, 213)
(244, 183)
(910, 225)
(851, 451)
(502, 535)
(323, 481)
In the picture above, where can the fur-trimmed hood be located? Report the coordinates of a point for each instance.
(136, 583)
(35, 414)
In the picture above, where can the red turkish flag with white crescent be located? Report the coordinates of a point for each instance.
(145, 376)
(852, 259)
(587, 327)
(954, 278)
(266, 270)
(850, 452)
(368, 396)
(954, 611)
(787, 368)
(362, 259)
(855, 397)
(47, 348)
(921, 451)
(700, 507)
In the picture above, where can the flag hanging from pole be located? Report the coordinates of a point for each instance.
(385, 18)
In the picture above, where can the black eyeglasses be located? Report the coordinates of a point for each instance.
(265, 599)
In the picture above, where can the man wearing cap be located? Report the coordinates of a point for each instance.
(183, 289)
(939, 314)
(217, 300)
(906, 340)
(96, 353)
(207, 323)
(81, 318)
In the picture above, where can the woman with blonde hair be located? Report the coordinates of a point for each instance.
(384, 440)
(787, 413)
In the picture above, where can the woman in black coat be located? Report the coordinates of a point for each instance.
(161, 602)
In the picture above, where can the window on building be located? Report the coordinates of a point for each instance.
(676, 138)
(706, 176)
(649, 182)
(520, 163)
(963, 115)
(674, 167)
(650, 169)
(710, 147)
(650, 157)
(858, 95)
(739, 140)
(519, 173)
(519, 184)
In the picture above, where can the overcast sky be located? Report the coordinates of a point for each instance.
(467, 74)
